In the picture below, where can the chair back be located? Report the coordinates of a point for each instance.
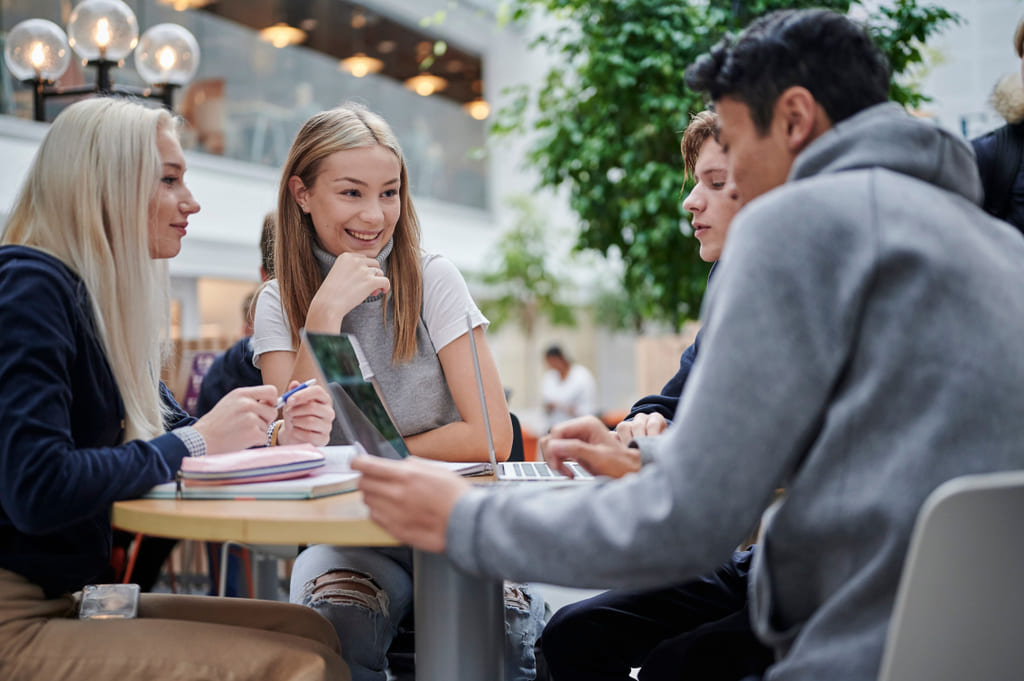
(959, 611)
(518, 453)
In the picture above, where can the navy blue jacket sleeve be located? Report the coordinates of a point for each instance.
(667, 400)
(176, 416)
(60, 412)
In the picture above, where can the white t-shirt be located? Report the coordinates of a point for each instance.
(416, 391)
(445, 301)
(575, 396)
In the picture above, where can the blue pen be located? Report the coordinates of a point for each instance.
(284, 398)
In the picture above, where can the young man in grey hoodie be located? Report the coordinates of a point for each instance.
(862, 346)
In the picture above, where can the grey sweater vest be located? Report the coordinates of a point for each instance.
(416, 390)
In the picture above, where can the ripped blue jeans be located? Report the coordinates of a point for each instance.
(366, 592)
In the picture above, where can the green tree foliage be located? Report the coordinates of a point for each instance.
(609, 119)
(521, 287)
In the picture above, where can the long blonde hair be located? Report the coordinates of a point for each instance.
(348, 126)
(86, 202)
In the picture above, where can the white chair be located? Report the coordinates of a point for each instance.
(959, 613)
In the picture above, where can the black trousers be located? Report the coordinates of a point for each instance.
(696, 630)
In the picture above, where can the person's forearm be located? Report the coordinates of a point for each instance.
(460, 441)
(279, 368)
(324, 319)
(589, 536)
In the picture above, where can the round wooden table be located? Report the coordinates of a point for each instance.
(342, 519)
(460, 629)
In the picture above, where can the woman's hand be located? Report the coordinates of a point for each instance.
(308, 415)
(239, 420)
(352, 279)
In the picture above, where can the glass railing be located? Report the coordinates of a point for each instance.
(249, 99)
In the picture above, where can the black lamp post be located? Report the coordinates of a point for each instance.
(103, 33)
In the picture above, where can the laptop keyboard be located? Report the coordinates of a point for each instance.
(531, 470)
(541, 470)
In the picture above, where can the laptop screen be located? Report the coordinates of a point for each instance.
(480, 389)
(358, 407)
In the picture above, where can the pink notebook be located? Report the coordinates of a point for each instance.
(251, 465)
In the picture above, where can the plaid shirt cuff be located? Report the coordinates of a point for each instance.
(193, 440)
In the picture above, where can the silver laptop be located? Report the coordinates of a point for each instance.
(516, 471)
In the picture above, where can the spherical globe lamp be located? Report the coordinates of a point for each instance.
(167, 54)
(37, 49)
(103, 29)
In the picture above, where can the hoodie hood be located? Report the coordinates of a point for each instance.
(1007, 98)
(886, 136)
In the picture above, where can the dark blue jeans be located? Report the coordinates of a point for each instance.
(696, 630)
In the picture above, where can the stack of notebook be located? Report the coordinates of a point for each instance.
(283, 472)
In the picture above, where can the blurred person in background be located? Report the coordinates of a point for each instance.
(1000, 152)
(567, 389)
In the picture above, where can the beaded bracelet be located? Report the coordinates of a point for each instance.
(272, 432)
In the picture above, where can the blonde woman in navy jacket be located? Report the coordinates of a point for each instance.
(85, 422)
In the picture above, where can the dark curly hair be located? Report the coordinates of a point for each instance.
(821, 50)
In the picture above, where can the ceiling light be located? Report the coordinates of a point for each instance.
(426, 84)
(282, 35)
(478, 109)
(360, 64)
(182, 5)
